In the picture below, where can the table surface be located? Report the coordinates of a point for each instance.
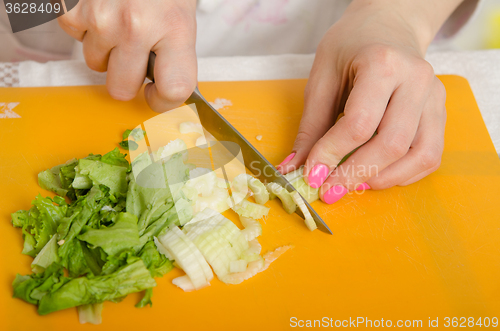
(480, 68)
(430, 249)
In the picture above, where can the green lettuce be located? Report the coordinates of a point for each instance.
(72, 257)
(31, 288)
(38, 224)
(112, 176)
(58, 179)
(115, 158)
(46, 257)
(157, 264)
(103, 238)
(120, 236)
(52, 291)
(129, 145)
(133, 277)
(146, 299)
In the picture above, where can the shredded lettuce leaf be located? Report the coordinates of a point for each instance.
(123, 234)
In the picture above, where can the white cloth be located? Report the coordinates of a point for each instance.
(264, 27)
(481, 68)
(225, 28)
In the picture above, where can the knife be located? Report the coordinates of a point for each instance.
(222, 130)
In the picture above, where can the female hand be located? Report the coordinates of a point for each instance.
(370, 65)
(118, 35)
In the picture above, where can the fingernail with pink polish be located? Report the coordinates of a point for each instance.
(318, 175)
(363, 187)
(287, 159)
(334, 194)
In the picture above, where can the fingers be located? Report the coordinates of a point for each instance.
(424, 156)
(126, 71)
(318, 116)
(96, 51)
(364, 109)
(395, 135)
(175, 73)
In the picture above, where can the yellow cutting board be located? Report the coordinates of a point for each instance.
(428, 250)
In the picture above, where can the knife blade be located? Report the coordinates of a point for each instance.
(213, 122)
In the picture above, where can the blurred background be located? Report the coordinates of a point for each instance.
(482, 31)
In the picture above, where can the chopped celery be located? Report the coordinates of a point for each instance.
(221, 183)
(296, 178)
(202, 215)
(252, 269)
(285, 197)
(311, 225)
(190, 192)
(201, 142)
(236, 198)
(243, 182)
(188, 127)
(271, 256)
(184, 282)
(291, 176)
(249, 209)
(252, 230)
(253, 251)
(203, 180)
(220, 241)
(184, 211)
(162, 250)
(240, 183)
(259, 190)
(91, 313)
(309, 193)
(216, 201)
(187, 256)
(173, 147)
(238, 266)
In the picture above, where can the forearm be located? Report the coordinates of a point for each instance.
(423, 18)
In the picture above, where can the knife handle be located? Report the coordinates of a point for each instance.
(150, 73)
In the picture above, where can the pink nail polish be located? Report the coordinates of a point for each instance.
(287, 159)
(334, 194)
(363, 187)
(318, 175)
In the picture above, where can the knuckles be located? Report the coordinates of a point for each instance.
(381, 60)
(180, 25)
(423, 72)
(431, 157)
(387, 62)
(132, 21)
(396, 146)
(360, 128)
